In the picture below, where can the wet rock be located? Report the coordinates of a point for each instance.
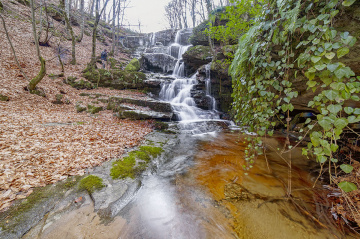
(151, 109)
(195, 57)
(158, 62)
(154, 105)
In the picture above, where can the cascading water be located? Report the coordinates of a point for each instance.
(208, 88)
(178, 93)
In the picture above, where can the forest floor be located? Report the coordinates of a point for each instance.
(42, 142)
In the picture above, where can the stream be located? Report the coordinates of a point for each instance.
(199, 189)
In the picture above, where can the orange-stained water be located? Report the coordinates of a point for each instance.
(258, 202)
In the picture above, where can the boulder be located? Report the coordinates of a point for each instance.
(79, 84)
(134, 65)
(199, 37)
(158, 62)
(195, 57)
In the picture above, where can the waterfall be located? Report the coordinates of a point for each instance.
(153, 39)
(212, 105)
(178, 91)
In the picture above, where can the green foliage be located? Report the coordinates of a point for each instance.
(237, 17)
(346, 168)
(91, 183)
(268, 59)
(347, 186)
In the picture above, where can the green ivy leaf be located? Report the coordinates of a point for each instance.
(357, 111)
(331, 94)
(346, 168)
(344, 72)
(321, 159)
(348, 3)
(334, 147)
(342, 52)
(332, 67)
(320, 67)
(326, 123)
(330, 55)
(347, 186)
(352, 119)
(349, 110)
(340, 123)
(315, 58)
(344, 35)
(334, 108)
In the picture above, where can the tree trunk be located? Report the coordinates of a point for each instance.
(82, 21)
(113, 28)
(193, 13)
(12, 48)
(208, 6)
(73, 40)
(97, 19)
(40, 76)
(92, 8)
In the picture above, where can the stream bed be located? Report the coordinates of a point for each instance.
(199, 190)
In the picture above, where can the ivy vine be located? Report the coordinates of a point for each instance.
(268, 61)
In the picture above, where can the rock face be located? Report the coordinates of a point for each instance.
(147, 109)
(195, 57)
(158, 62)
(163, 37)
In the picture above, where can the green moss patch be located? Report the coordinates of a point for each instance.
(94, 109)
(129, 167)
(115, 78)
(91, 183)
(4, 98)
(134, 65)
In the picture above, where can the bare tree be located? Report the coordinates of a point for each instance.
(79, 39)
(12, 48)
(41, 74)
(97, 19)
(69, 27)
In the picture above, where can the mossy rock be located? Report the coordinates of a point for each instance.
(199, 36)
(79, 84)
(115, 78)
(129, 167)
(134, 65)
(38, 92)
(115, 64)
(4, 98)
(58, 99)
(80, 107)
(94, 109)
(159, 125)
(91, 183)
